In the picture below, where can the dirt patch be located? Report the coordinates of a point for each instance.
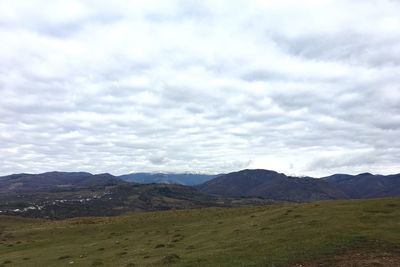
(358, 257)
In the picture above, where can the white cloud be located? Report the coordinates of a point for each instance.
(214, 86)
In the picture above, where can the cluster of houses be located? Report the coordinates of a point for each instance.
(56, 202)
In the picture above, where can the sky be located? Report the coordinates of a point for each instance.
(308, 87)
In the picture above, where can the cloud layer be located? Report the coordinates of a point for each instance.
(306, 87)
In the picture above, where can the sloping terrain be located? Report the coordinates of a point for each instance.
(251, 183)
(113, 200)
(54, 181)
(278, 186)
(273, 235)
(359, 255)
(366, 185)
(271, 185)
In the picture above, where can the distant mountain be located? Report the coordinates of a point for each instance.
(271, 185)
(167, 178)
(69, 194)
(59, 195)
(54, 180)
(112, 200)
(366, 185)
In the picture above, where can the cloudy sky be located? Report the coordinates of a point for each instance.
(302, 87)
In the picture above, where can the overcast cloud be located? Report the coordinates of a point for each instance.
(307, 87)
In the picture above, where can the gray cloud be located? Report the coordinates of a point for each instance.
(306, 88)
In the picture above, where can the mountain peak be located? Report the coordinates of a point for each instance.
(365, 174)
(256, 171)
(270, 185)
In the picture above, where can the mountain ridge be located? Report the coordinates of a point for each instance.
(367, 185)
(167, 178)
(271, 185)
(54, 180)
(278, 186)
(268, 184)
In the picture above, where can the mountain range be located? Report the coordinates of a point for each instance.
(59, 195)
(278, 186)
(73, 194)
(366, 185)
(54, 181)
(271, 185)
(167, 178)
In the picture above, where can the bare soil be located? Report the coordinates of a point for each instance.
(358, 257)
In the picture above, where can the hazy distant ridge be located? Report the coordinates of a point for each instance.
(167, 178)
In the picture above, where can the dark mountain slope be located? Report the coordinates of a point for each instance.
(54, 180)
(366, 185)
(271, 185)
(167, 178)
(113, 200)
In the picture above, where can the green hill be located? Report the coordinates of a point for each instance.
(364, 231)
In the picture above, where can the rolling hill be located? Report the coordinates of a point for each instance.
(366, 185)
(330, 233)
(278, 186)
(54, 181)
(271, 185)
(59, 195)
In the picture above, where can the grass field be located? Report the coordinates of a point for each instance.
(274, 235)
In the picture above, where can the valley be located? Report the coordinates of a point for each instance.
(114, 200)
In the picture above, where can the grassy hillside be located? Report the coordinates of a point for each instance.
(274, 235)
